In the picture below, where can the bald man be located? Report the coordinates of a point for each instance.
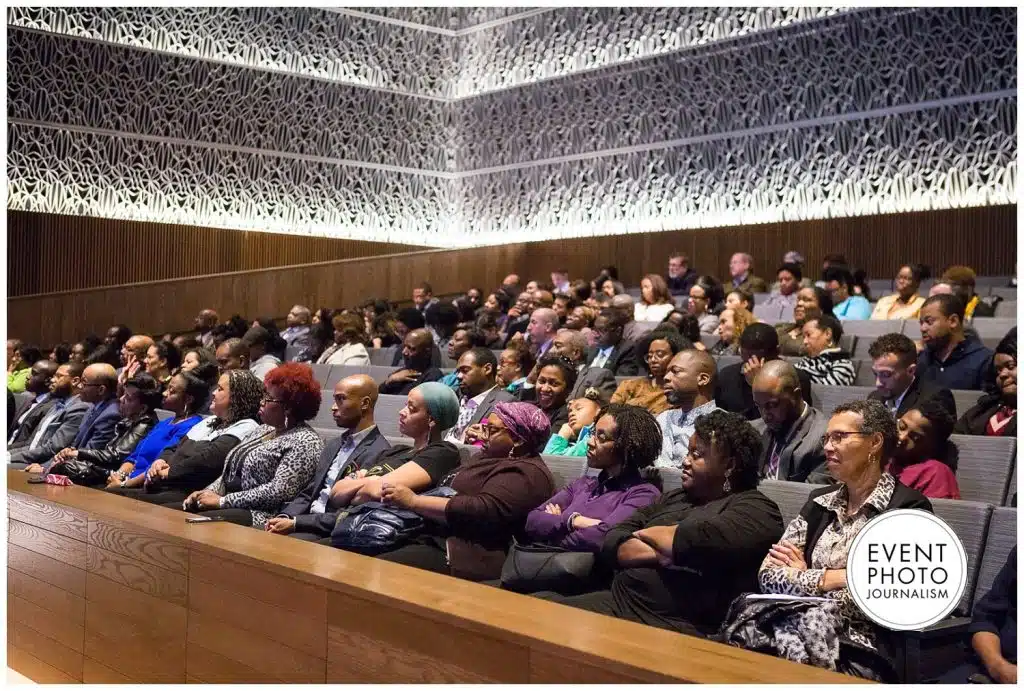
(297, 335)
(625, 303)
(789, 427)
(204, 323)
(133, 355)
(541, 329)
(416, 351)
(689, 388)
(306, 517)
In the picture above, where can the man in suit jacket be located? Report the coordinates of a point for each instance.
(612, 352)
(479, 392)
(790, 428)
(31, 411)
(759, 344)
(306, 517)
(417, 353)
(897, 386)
(58, 428)
(741, 267)
(98, 387)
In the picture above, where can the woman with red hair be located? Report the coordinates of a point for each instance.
(272, 465)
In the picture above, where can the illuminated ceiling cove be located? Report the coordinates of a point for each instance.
(475, 126)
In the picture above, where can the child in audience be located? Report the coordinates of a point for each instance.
(571, 439)
(925, 459)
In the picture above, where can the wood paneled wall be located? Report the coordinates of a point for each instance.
(48, 253)
(984, 238)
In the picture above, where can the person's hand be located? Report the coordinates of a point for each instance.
(203, 500)
(751, 367)
(553, 509)
(660, 538)
(514, 313)
(281, 525)
(580, 522)
(65, 455)
(377, 342)
(397, 495)
(358, 475)
(517, 338)
(404, 375)
(1004, 672)
(113, 480)
(158, 471)
(34, 468)
(786, 554)
(567, 432)
(474, 433)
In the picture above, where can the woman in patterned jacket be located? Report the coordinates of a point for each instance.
(826, 363)
(274, 463)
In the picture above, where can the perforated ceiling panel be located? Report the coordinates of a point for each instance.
(465, 126)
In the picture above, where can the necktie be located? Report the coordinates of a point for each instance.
(44, 424)
(772, 471)
(466, 411)
(602, 357)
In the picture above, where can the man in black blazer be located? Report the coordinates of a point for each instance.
(478, 391)
(759, 345)
(31, 411)
(417, 354)
(306, 517)
(612, 352)
(897, 387)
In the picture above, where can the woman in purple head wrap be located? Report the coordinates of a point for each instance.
(468, 535)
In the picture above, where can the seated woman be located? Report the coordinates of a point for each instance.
(571, 439)
(655, 302)
(704, 297)
(810, 302)
(659, 347)
(468, 535)
(582, 319)
(810, 559)
(556, 377)
(161, 360)
(680, 561)
(826, 363)
(514, 367)
(497, 305)
(905, 303)
(383, 331)
(20, 358)
(348, 348)
(274, 463)
(624, 445)
(195, 358)
(93, 467)
(184, 396)
(995, 414)
(687, 326)
(198, 459)
(732, 322)
(925, 459)
(431, 409)
(739, 298)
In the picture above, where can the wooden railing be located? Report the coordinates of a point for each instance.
(104, 589)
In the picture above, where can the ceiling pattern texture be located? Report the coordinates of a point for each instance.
(473, 126)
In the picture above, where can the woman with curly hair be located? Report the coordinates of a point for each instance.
(680, 561)
(658, 348)
(272, 465)
(732, 322)
(348, 348)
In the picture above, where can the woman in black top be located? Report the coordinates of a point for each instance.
(995, 414)
(679, 562)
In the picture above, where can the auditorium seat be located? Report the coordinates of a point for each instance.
(382, 357)
(339, 372)
(1011, 490)
(709, 340)
(291, 352)
(965, 400)
(1006, 308)
(969, 520)
(1001, 538)
(867, 330)
(828, 398)
(993, 327)
(1005, 292)
(671, 478)
(681, 301)
(865, 375)
(322, 373)
(386, 414)
(912, 329)
(565, 469)
(985, 465)
(765, 312)
(790, 496)
(724, 361)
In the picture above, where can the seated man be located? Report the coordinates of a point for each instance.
(204, 323)
(416, 354)
(612, 351)
(133, 356)
(572, 345)
(950, 359)
(28, 415)
(741, 268)
(514, 366)
(759, 345)
(258, 340)
(462, 341)
(298, 333)
(477, 389)
(59, 427)
(689, 388)
(541, 330)
(306, 517)
(790, 428)
(231, 355)
(897, 386)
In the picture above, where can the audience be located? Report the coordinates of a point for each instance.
(905, 303)
(741, 269)
(348, 347)
(30, 412)
(204, 323)
(704, 297)
(132, 356)
(681, 276)
(59, 426)
(732, 322)
(848, 305)
(582, 319)
(514, 366)
(611, 351)
(416, 356)
(655, 301)
(689, 388)
(571, 438)
(258, 341)
(556, 377)
(925, 459)
(790, 281)
(950, 358)
(759, 345)
(810, 302)
(897, 386)
(463, 340)
(790, 428)
(995, 414)
(232, 354)
(98, 387)
(826, 363)
(468, 534)
(161, 360)
(20, 358)
(476, 375)
(572, 346)
(810, 559)
(681, 560)
(658, 348)
(298, 334)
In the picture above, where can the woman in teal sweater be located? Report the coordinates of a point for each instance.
(571, 439)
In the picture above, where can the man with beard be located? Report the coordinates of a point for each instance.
(690, 389)
(416, 351)
(478, 390)
(951, 359)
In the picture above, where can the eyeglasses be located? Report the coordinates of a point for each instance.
(838, 438)
(268, 399)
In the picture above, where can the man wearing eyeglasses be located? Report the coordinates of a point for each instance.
(60, 425)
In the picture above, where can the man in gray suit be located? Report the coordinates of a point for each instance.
(306, 517)
(790, 428)
(477, 370)
(573, 346)
(29, 414)
(59, 427)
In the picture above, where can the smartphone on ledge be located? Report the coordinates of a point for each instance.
(204, 519)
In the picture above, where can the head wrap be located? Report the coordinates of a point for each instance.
(526, 423)
(441, 402)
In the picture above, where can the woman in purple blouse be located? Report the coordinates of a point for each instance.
(624, 444)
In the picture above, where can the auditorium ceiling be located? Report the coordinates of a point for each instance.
(474, 126)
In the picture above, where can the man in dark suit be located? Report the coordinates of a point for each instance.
(477, 370)
(58, 428)
(31, 411)
(417, 350)
(306, 517)
(790, 428)
(897, 386)
(759, 345)
(681, 276)
(612, 352)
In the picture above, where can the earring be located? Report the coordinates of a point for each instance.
(286, 425)
(726, 487)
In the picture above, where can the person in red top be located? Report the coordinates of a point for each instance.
(925, 459)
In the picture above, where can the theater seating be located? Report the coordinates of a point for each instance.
(985, 467)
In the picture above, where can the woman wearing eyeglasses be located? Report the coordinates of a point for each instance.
(810, 559)
(659, 347)
(704, 297)
(468, 535)
(274, 463)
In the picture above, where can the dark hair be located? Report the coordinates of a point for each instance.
(580, 289)
(760, 338)
(350, 325)
(466, 311)
(475, 337)
(919, 272)
(617, 319)
(826, 321)
(897, 344)
(206, 371)
(75, 369)
(503, 299)
(731, 434)
(121, 335)
(91, 343)
(197, 388)
(638, 439)
(150, 391)
(257, 336)
(746, 298)
(712, 290)
(486, 320)
(611, 272)
(860, 280)
(411, 317)
(246, 392)
(170, 353)
(825, 303)
(676, 343)
(484, 356)
(237, 326)
(689, 326)
(104, 354)
(840, 274)
(569, 299)
(524, 356)
(1008, 344)
(948, 304)
(835, 258)
(62, 353)
(425, 287)
(565, 365)
(942, 422)
(792, 268)
(443, 317)
(877, 419)
(29, 354)
(300, 391)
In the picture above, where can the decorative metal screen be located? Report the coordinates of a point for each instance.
(471, 126)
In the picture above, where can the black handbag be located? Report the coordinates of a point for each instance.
(536, 567)
(81, 472)
(374, 528)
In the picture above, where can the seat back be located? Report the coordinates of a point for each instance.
(324, 419)
(969, 520)
(1011, 491)
(724, 361)
(709, 340)
(322, 373)
(789, 496)
(767, 311)
(965, 400)
(339, 372)
(867, 330)
(848, 342)
(382, 357)
(1007, 308)
(912, 329)
(1001, 538)
(386, 414)
(993, 327)
(865, 375)
(671, 478)
(983, 473)
(828, 398)
(566, 469)
(162, 414)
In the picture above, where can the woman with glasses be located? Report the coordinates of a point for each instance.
(468, 534)
(704, 297)
(271, 465)
(810, 559)
(659, 347)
